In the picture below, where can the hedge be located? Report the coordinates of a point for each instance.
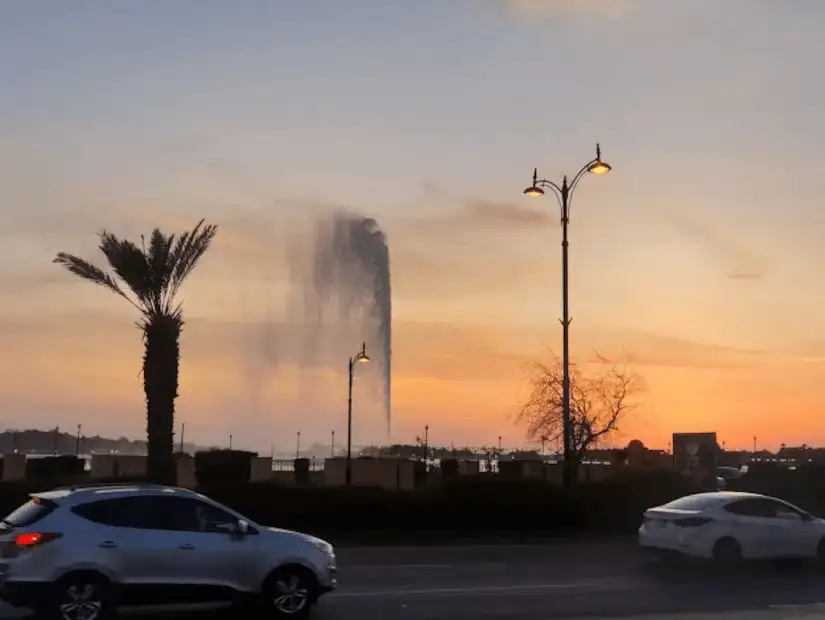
(472, 507)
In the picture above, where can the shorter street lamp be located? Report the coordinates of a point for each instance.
(362, 358)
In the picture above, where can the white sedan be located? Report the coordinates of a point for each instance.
(728, 526)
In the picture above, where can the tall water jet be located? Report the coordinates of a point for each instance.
(340, 292)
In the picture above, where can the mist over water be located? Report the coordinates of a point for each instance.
(338, 295)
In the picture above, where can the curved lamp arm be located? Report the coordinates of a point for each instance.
(564, 192)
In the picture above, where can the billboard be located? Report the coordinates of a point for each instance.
(694, 454)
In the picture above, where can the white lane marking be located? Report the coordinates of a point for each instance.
(383, 567)
(801, 606)
(465, 590)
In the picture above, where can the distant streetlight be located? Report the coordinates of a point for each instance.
(360, 358)
(564, 194)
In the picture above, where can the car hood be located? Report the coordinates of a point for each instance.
(300, 535)
(279, 530)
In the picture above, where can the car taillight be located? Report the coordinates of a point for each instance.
(692, 521)
(32, 539)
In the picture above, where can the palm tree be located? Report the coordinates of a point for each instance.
(149, 278)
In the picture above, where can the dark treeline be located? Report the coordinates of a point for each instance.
(34, 441)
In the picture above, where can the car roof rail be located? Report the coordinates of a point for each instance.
(105, 485)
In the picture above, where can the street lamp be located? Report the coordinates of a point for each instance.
(360, 358)
(564, 194)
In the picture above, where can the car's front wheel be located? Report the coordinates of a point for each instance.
(79, 596)
(289, 592)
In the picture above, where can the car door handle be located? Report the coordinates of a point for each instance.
(186, 547)
(108, 544)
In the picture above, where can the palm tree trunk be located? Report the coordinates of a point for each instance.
(160, 383)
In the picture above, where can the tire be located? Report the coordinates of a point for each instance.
(288, 592)
(727, 552)
(80, 596)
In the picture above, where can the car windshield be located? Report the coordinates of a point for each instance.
(695, 502)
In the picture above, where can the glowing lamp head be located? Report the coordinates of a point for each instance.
(534, 189)
(599, 167)
(363, 359)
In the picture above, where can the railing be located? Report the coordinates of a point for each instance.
(315, 464)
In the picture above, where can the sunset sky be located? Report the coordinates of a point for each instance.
(700, 258)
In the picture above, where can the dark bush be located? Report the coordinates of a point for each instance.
(449, 468)
(804, 487)
(223, 466)
(301, 471)
(49, 471)
(616, 504)
(510, 469)
(477, 507)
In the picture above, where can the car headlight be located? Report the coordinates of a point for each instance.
(323, 546)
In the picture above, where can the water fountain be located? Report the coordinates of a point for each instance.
(339, 295)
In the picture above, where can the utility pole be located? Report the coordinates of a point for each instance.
(298, 445)
(77, 441)
(332, 449)
(182, 431)
(56, 440)
(230, 441)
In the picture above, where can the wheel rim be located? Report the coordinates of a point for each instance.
(291, 596)
(83, 602)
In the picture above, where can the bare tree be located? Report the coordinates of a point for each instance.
(598, 403)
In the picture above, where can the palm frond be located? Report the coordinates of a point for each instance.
(188, 249)
(129, 263)
(86, 270)
(159, 258)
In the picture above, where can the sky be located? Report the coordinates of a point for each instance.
(698, 259)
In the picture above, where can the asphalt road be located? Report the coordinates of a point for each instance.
(558, 581)
(542, 582)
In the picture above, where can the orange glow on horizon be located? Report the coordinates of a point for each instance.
(468, 382)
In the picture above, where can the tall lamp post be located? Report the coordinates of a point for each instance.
(564, 194)
(360, 358)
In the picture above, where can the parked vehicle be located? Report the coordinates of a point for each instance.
(83, 553)
(728, 526)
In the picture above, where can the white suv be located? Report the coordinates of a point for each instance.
(83, 553)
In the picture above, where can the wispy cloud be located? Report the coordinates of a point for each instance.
(610, 9)
(739, 261)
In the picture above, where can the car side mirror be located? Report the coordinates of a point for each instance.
(241, 528)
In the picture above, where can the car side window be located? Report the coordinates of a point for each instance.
(785, 510)
(158, 512)
(755, 507)
(128, 512)
(184, 514)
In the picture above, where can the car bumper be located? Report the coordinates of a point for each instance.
(657, 542)
(329, 578)
(22, 593)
